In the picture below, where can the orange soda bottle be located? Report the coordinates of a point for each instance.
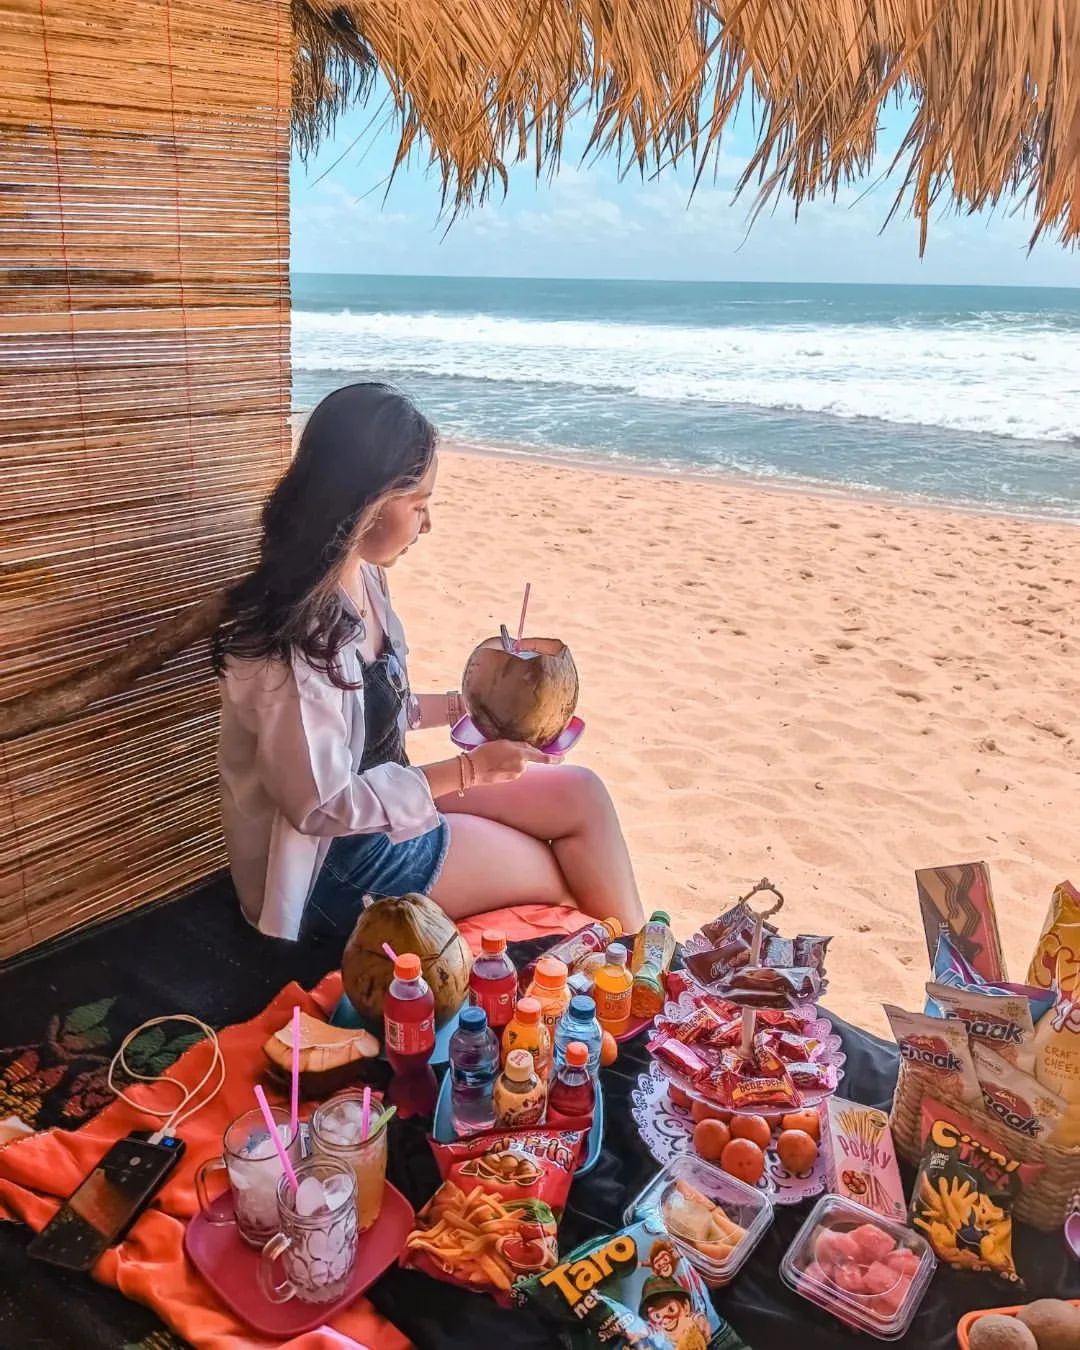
(549, 986)
(526, 1031)
(613, 988)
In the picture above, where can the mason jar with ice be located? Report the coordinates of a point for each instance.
(338, 1133)
(250, 1159)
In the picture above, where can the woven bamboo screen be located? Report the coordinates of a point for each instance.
(144, 395)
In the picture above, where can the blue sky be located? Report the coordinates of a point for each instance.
(588, 223)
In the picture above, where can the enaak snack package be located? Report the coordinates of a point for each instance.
(1001, 1022)
(965, 1191)
(494, 1218)
(938, 1050)
(629, 1290)
(1016, 1100)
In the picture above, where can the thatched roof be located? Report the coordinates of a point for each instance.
(994, 86)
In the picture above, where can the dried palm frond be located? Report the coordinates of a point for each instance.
(482, 84)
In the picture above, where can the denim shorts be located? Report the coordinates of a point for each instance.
(369, 864)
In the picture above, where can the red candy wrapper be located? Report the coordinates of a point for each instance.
(679, 1057)
(812, 1077)
(794, 1049)
(762, 1082)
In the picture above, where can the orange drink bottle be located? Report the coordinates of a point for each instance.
(612, 989)
(549, 986)
(526, 1031)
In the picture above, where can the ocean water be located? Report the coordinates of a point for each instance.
(969, 395)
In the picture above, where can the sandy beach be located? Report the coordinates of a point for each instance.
(827, 691)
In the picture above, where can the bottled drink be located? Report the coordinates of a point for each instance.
(525, 1031)
(654, 950)
(573, 1093)
(579, 1023)
(474, 1065)
(493, 983)
(594, 937)
(409, 1019)
(612, 987)
(550, 989)
(520, 1095)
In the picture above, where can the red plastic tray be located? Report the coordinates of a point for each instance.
(230, 1267)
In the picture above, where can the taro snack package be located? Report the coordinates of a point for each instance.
(628, 1290)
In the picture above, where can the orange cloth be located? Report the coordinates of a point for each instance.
(149, 1265)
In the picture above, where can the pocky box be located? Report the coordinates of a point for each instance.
(1001, 1022)
(862, 1159)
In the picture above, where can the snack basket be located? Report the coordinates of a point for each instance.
(1045, 1204)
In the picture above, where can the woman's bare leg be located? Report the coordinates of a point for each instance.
(568, 807)
(489, 866)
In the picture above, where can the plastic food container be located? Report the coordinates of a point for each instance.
(867, 1271)
(744, 1205)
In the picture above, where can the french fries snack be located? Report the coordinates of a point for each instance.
(628, 1289)
(964, 1193)
(493, 1219)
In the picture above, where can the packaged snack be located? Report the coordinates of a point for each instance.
(768, 986)
(1057, 1060)
(810, 951)
(493, 1220)
(965, 1191)
(813, 1077)
(737, 922)
(950, 968)
(680, 1058)
(1017, 1100)
(1057, 956)
(862, 1159)
(1000, 1021)
(629, 1289)
(960, 897)
(764, 1081)
(937, 1049)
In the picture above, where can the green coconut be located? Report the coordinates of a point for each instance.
(526, 695)
(408, 923)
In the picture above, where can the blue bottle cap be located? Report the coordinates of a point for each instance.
(473, 1019)
(583, 1007)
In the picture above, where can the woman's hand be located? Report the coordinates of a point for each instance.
(503, 761)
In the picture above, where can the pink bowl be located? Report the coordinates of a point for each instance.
(466, 736)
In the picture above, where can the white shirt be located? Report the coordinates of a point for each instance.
(288, 754)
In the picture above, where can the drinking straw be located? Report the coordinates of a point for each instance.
(524, 607)
(389, 951)
(365, 1121)
(271, 1125)
(294, 1101)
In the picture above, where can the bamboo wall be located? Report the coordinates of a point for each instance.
(144, 396)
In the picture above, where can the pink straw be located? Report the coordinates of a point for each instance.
(271, 1125)
(524, 607)
(365, 1122)
(294, 1111)
(389, 951)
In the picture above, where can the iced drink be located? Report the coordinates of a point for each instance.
(250, 1158)
(337, 1132)
(315, 1237)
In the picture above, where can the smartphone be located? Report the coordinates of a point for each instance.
(108, 1202)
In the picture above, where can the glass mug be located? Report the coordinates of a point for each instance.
(337, 1135)
(254, 1170)
(316, 1237)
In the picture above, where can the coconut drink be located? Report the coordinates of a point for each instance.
(526, 694)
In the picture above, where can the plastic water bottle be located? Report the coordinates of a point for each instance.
(474, 1064)
(578, 1023)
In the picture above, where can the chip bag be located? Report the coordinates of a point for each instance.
(493, 1220)
(1057, 956)
(937, 1050)
(1001, 1022)
(628, 1289)
(965, 1191)
(1015, 1099)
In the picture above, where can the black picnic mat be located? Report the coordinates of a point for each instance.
(64, 1012)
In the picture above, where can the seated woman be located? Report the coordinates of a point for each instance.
(320, 804)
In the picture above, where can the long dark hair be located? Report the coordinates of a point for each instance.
(361, 444)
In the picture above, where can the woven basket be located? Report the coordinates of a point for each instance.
(1044, 1204)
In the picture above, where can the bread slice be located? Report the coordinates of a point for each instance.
(331, 1058)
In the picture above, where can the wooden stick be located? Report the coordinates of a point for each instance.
(749, 1015)
(50, 705)
(524, 607)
